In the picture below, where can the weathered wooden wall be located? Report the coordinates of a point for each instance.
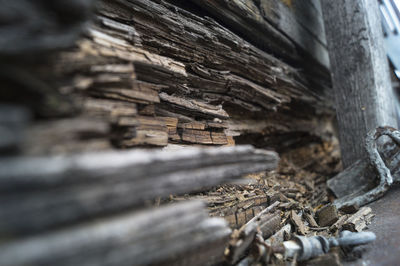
(154, 73)
(159, 74)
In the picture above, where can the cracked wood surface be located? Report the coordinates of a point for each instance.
(152, 73)
(279, 27)
(54, 191)
(162, 62)
(162, 236)
(361, 82)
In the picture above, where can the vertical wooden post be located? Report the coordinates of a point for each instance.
(360, 72)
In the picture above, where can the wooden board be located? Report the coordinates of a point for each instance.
(162, 236)
(363, 92)
(276, 26)
(54, 191)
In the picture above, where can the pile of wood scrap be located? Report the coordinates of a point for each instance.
(266, 209)
(293, 184)
(257, 242)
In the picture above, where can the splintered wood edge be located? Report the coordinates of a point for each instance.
(55, 169)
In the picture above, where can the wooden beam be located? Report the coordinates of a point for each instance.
(162, 236)
(274, 26)
(53, 191)
(364, 98)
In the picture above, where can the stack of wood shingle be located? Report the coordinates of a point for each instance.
(157, 72)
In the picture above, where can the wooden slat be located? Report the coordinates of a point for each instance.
(152, 237)
(364, 97)
(51, 191)
(277, 26)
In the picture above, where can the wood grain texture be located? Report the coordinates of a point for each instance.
(54, 191)
(162, 236)
(277, 27)
(364, 98)
(149, 73)
(153, 61)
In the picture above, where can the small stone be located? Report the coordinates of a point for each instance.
(327, 215)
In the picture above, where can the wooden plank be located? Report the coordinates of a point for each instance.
(196, 136)
(21, 39)
(53, 191)
(69, 135)
(302, 22)
(364, 97)
(104, 108)
(128, 95)
(152, 237)
(269, 24)
(195, 106)
(245, 17)
(13, 121)
(219, 138)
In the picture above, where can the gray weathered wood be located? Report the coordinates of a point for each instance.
(246, 17)
(41, 26)
(302, 22)
(13, 120)
(53, 191)
(275, 26)
(364, 99)
(162, 236)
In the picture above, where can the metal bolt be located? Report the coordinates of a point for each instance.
(304, 248)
